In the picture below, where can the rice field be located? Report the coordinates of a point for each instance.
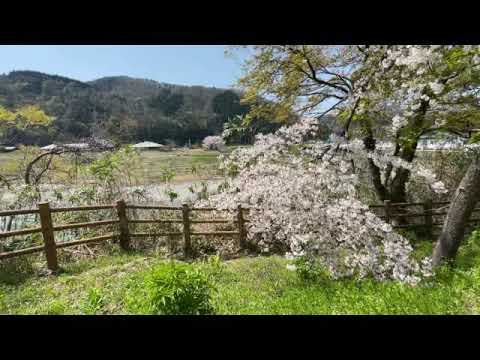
(185, 164)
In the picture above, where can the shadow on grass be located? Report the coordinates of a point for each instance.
(112, 258)
(15, 271)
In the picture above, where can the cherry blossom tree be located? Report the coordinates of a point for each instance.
(303, 199)
(396, 93)
(213, 143)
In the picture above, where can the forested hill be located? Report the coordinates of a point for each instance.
(122, 108)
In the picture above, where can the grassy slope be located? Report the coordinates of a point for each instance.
(259, 285)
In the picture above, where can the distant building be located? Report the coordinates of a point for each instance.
(49, 147)
(79, 146)
(4, 148)
(149, 145)
(441, 141)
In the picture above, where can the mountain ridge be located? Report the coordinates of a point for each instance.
(120, 107)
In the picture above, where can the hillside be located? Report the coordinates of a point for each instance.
(123, 108)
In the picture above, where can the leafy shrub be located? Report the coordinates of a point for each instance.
(178, 289)
(309, 270)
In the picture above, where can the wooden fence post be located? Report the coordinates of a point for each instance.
(48, 236)
(427, 209)
(241, 228)
(123, 225)
(387, 211)
(186, 231)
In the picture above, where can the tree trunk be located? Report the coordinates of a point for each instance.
(466, 197)
(398, 186)
(370, 143)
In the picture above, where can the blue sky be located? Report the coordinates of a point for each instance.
(178, 64)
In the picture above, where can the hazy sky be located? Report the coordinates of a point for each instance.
(178, 64)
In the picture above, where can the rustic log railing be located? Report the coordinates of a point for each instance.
(50, 246)
(48, 229)
(430, 210)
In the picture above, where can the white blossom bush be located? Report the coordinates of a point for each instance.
(213, 143)
(303, 200)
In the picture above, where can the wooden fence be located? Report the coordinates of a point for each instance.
(48, 229)
(432, 214)
(430, 219)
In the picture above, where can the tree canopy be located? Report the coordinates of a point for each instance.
(384, 92)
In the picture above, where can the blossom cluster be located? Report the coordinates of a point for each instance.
(213, 142)
(415, 80)
(303, 199)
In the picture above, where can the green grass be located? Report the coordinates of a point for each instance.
(255, 285)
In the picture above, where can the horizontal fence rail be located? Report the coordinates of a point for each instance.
(123, 235)
(391, 212)
(430, 214)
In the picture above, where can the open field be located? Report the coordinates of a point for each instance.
(187, 164)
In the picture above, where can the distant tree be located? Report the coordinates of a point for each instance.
(227, 104)
(167, 101)
(213, 143)
(29, 116)
(242, 129)
(120, 128)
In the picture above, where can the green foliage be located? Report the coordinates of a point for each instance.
(259, 285)
(55, 307)
(172, 195)
(176, 288)
(242, 129)
(94, 302)
(469, 252)
(109, 166)
(26, 116)
(310, 270)
(167, 174)
(167, 101)
(474, 138)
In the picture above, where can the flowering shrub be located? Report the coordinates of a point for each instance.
(213, 143)
(304, 201)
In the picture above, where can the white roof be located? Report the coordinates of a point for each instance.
(147, 144)
(75, 146)
(49, 147)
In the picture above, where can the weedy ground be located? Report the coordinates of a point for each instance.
(251, 285)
